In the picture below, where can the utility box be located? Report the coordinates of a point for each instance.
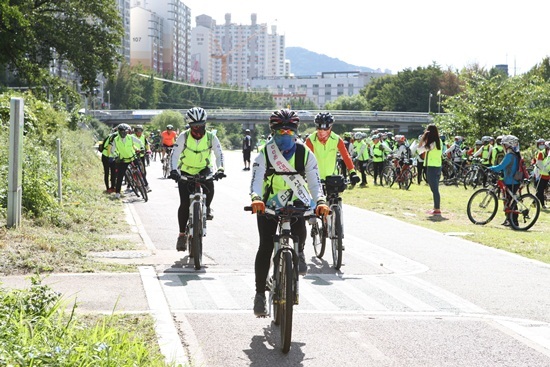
(15, 169)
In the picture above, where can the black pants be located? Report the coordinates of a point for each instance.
(363, 169)
(420, 170)
(378, 167)
(120, 168)
(185, 189)
(108, 172)
(541, 186)
(267, 227)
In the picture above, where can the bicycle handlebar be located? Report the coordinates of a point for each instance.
(285, 211)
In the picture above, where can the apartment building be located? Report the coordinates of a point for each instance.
(320, 89)
(147, 41)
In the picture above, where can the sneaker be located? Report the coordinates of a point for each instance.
(117, 195)
(260, 308)
(111, 190)
(148, 189)
(434, 212)
(506, 223)
(162, 160)
(181, 245)
(209, 214)
(302, 266)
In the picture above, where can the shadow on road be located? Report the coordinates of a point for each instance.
(265, 350)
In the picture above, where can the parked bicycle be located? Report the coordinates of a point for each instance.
(453, 173)
(135, 178)
(476, 174)
(332, 226)
(522, 210)
(283, 283)
(399, 171)
(196, 224)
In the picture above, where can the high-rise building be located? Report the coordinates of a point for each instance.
(147, 39)
(234, 53)
(124, 10)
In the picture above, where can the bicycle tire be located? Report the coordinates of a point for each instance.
(140, 186)
(405, 179)
(165, 169)
(336, 236)
(286, 300)
(197, 236)
(130, 181)
(388, 176)
(482, 206)
(525, 219)
(319, 238)
(370, 168)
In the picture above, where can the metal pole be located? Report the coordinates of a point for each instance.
(59, 188)
(430, 103)
(15, 168)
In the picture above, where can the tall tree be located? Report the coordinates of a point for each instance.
(85, 34)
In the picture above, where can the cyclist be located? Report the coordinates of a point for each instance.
(284, 171)
(155, 142)
(509, 166)
(497, 152)
(542, 165)
(455, 153)
(108, 163)
(261, 142)
(361, 149)
(124, 148)
(325, 144)
(191, 156)
(349, 146)
(168, 138)
(485, 151)
(144, 147)
(378, 152)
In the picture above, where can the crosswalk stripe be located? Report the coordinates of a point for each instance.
(315, 297)
(176, 295)
(351, 292)
(219, 294)
(447, 296)
(400, 295)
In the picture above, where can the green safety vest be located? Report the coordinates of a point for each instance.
(433, 157)
(325, 154)
(362, 150)
(495, 152)
(125, 149)
(274, 182)
(195, 156)
(485, 154)
(377, 152)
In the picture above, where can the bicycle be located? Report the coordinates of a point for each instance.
(399, 172)
(522, 210)
(476, 175)
(135, 178)
(283, 283)
(166, 165)
(454, 173)
(196, 224)
(331, 226)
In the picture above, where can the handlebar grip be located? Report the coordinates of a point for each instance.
(247, 208)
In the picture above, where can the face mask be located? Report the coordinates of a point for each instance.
(541, 147)
(284, 142)
(199, 132)
(122, 134)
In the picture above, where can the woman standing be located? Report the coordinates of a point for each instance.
(430, 142)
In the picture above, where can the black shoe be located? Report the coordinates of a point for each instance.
(302, 266)
(506, 223)
(209, 214)
(260, 308)
(181, 245)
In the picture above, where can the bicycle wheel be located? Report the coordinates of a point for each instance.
(286, 299)
(130, 181)
(474, 178)
(319, 240)
(524, 212)
(165, 168)
(482, 206)
(370, 169)
(197, 235)
(388, 176)
(140, 185)
(405, 179)
(336, 235)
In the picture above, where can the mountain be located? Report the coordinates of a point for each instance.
(306, 63)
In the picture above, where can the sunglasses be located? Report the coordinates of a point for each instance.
(323, 127)
(285, 132)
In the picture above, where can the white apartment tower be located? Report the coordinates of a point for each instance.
(234, 53)
(146, 35)
(124, 10)
(175, 35)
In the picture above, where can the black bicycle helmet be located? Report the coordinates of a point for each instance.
(324, 120)
(196, 116)
(284, 119)
(123, 127)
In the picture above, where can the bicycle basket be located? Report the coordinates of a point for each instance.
(335, 183)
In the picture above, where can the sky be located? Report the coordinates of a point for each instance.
(399, 34)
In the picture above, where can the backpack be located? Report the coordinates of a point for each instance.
(522, 173)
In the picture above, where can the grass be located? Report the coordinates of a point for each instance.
(411, 206)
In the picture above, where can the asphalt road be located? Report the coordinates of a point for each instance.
(405, 295)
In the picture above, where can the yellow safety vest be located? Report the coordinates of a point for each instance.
(274, 183)
(195, 155)
(377, 152)
(125, 149)
(433, 157)
(325, 154)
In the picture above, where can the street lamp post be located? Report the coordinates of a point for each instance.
(108, 99)
(439, 101)
(430, 103)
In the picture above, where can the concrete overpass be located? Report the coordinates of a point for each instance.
(399, 122)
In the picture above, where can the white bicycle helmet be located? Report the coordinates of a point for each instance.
(510, 140)
(196, 116)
